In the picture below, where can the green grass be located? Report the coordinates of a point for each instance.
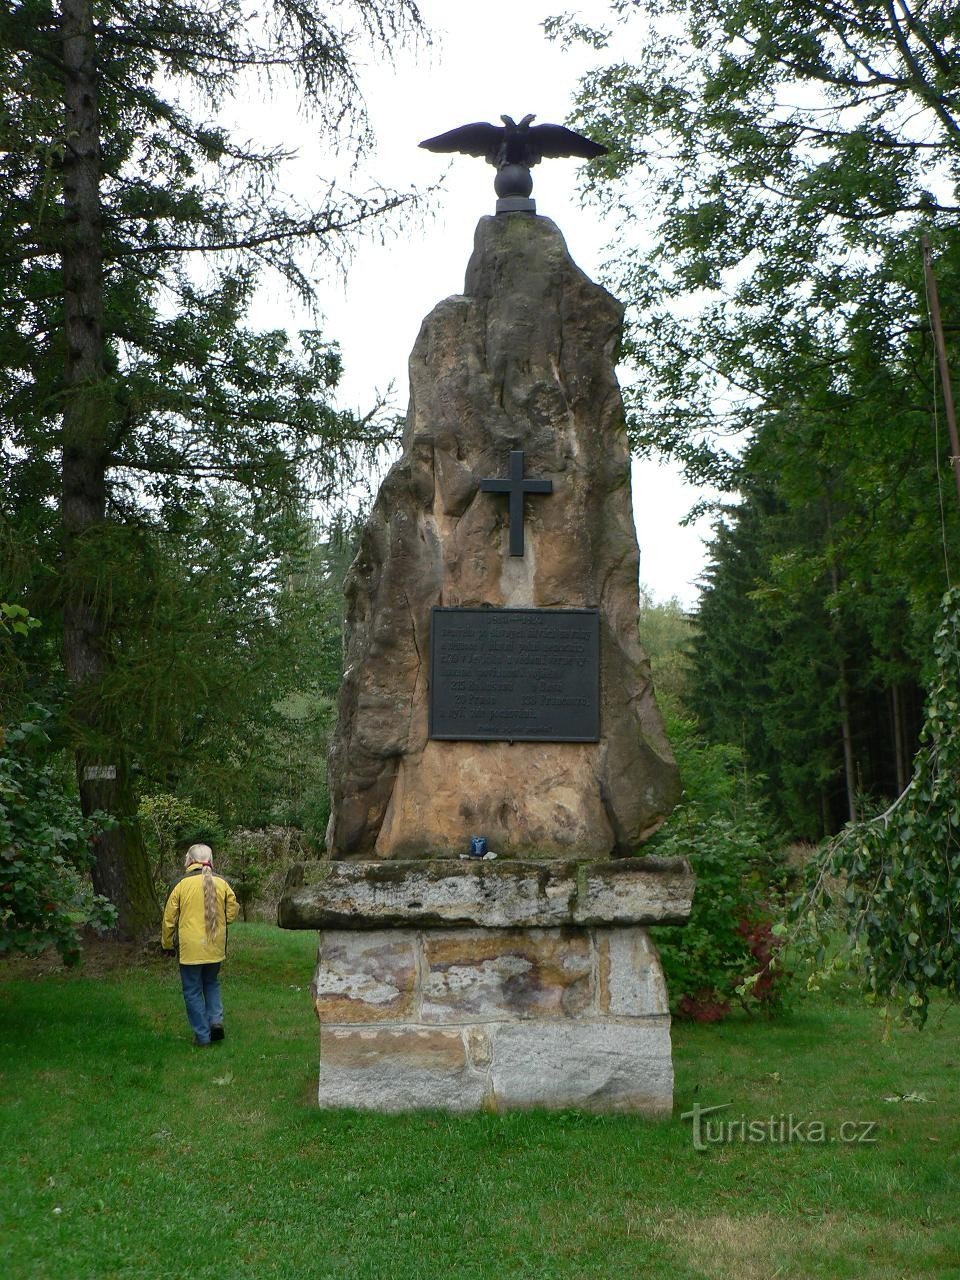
(126, 1153)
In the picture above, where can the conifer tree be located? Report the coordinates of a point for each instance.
(132, 231)
(772, 168)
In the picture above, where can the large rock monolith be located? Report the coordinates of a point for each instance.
(522, 360)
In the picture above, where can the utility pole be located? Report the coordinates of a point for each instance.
(937, 326)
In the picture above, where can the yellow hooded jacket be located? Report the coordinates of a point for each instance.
(183, 914)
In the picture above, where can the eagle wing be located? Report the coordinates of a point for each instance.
(553, 140)
(479, 139)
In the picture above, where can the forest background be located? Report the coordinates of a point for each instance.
(170, 642)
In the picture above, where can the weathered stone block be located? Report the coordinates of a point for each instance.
(630, 978)
(402, 1068)
(499, 894)
(365, 977)
(523, 973)
(500, 1018)
(601, 1066)
(593, 1065)
(479, 1046)
(634, 891)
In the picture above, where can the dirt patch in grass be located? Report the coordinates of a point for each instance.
(723, 1245)
(766, 1245)
(100, 957)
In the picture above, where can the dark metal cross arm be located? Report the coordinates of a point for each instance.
(516, 487)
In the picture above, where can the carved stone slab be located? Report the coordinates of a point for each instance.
(490, 895)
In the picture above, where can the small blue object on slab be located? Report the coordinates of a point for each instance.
(478, 846)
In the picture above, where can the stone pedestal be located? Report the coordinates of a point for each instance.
(493, 985)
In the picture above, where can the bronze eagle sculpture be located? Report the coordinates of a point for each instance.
(512, 143)
(513, 149)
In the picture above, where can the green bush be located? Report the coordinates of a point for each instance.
(170, 826)
(726, 950)
(244, 868)
(45, 897)
(256, 863)
(891, 880)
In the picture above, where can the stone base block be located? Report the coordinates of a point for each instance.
(499, 1066)
(470, 1018)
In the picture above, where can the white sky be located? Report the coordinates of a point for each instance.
(486, 58)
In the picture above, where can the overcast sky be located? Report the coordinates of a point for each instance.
(486, 59)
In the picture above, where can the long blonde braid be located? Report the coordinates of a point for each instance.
(203, 854)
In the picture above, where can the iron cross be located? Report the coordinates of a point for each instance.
(516, 487)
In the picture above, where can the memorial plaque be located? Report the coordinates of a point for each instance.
(515, 675)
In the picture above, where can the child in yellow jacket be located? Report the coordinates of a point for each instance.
(199, 908)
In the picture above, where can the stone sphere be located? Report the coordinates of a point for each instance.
(513, 180)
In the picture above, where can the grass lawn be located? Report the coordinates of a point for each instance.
(127, 1153)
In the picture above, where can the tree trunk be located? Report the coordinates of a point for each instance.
(121, 871)
(843, 688)
(900, 756)
(826, 827)
(849, 764)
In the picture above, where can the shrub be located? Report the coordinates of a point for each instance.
(45, 897)
(256, 864)
(170, 826)
(891, 880)
(254, 861)
(728, 950)
(244, 869)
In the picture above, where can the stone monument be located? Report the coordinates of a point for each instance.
(495, 688)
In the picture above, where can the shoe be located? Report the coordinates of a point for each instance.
(216, 1031)
(200, 1044)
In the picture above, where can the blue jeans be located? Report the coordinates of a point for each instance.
(201, 995)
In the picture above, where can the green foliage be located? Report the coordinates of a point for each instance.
(898, 872)
(226, 655)
(256, 862)
(770, 184)
(17, 638)
(45, 897)
(170, 825)
(155, 467)
(771, 167)
(247, 872)
(15, 620)
(725, 831)
(274, 769)
(191, 217)
(667, 634)
(290, 782)
(767, 665)
(820, 603)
